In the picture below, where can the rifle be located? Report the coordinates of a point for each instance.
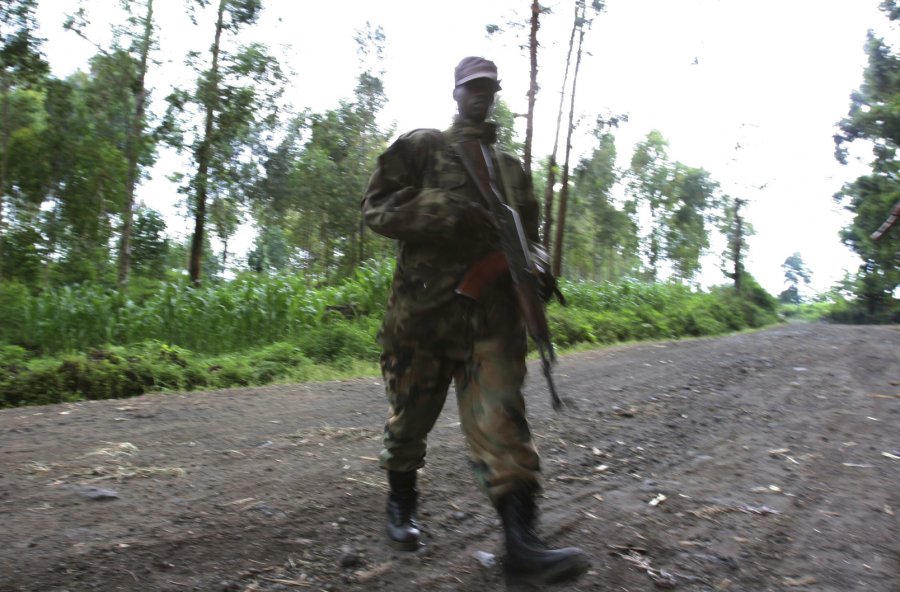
(514, 257)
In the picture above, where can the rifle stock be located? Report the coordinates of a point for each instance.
(481, 274)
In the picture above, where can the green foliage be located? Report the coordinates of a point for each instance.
(862, 299)
(250, 311)
(680, 202)
(119, 372)
(65, 334)
(789, 295)
(601, 237)
(12, 356)
(807, 311)
(270, 252)
(338, 338)
(687, 237)
(505, 119)
(258, 329)
(150, 247)
(14, 301)
(630, 311)
(874, 116)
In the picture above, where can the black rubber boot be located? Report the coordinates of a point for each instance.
(528, 559)
(402, 529)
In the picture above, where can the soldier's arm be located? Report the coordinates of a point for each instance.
(397, 205)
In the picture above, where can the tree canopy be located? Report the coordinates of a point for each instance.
(76, 148)
(874, 117)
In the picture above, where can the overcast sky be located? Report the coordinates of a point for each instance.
(749, 90)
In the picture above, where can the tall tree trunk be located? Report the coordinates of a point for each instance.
(4, 155)
(326, 255)
(532, 88)
(203, 153)
(889, 223)
(738, 244)
(361, 238)
(551, 164)
(653, 258)
(133, 151)
(564, 191)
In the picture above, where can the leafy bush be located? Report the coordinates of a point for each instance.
(253, 310)
(279, 361)
(14, 299)
(262, 329)
(806, 311)
(338, 338)
(12, 355)
(39, 384)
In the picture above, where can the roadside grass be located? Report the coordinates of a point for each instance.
(323, 334)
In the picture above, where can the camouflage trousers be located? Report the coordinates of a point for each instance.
(491, 411)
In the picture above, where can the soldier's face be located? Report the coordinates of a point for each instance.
(475, 98)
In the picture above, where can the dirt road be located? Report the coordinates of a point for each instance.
(765, 461)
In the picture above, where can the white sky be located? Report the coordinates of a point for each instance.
(772, 76)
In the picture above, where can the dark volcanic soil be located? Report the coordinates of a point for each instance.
(755, 462)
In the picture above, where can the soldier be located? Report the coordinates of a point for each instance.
(421, 196)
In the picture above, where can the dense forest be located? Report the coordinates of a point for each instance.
(86, 267)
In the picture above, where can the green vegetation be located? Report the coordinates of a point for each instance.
(872, 199)
(88, 342)
(98, 299)
(251, 311)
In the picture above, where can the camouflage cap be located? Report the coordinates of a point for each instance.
(473, 67)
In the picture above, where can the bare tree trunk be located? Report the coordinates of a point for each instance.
(203, 154)
(551, 164)
(532, 88)
(4, 155)
(889, 223)
(361, 253)
(326, 255)
(738, 244)
(564, 191)
(133, 151)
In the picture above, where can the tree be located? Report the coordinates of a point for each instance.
(270, 251)
(21, 66)
(533, 25)
(795, 272)
(874, 116)
(23, 255)
(581, 23)
(237, 100)
(536, 11)
(316, 176)
(131, 70)
(690, 205)
(736, 231)
(552, 167)
(150, 247)
(556, 252)
(506, 131)
(87, 170)
(603, 237)
(27, 169)
(331, 176)
(649, 185)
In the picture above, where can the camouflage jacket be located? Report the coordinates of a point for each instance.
(419, 195)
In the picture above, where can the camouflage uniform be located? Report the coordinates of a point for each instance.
(421, 196)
